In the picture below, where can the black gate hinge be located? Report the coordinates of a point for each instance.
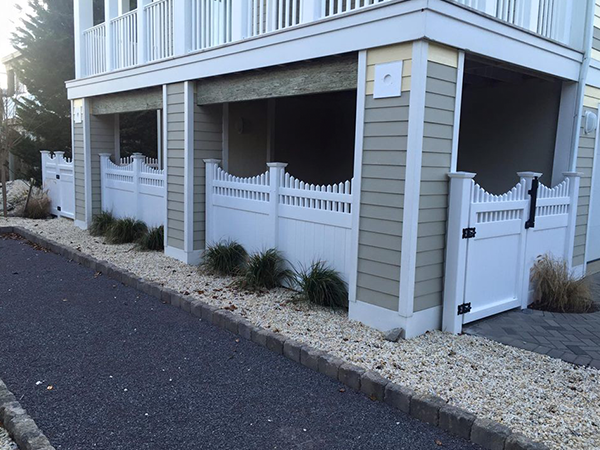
(468, 233)
(464, 308)
(58, 208)
(57, 176)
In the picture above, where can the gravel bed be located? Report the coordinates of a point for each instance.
(546, 399)
(6, 443)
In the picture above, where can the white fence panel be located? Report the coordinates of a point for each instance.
(494, 241)
(133, 189)
(306, 223)
(59, 182)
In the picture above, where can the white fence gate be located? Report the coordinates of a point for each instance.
(135, 188)
(59, 182)
(306, 223)
(494, 240)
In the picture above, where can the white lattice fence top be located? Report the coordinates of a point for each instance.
(553, 201)
(250, 188)
(336, 197)
(518, 192)
(499, 208)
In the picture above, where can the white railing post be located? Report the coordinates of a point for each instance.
(142, 26)
(45, 158)
(104, 158)
(210, 167)
(574, 180)
(461, 188)
(83, 20)
(276, 173)
(182, 27)
(239, 20)
(311, 10)
(111, 10)
(138, 159)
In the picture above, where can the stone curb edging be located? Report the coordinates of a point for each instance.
(430, 409)
(21, 428)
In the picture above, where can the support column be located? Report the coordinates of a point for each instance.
(83, 20)
(142, 31)
(311, 10)
(111, 10)
(574, 181)
(182, 27)
(239, 21)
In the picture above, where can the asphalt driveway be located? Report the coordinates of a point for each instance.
(102, 366)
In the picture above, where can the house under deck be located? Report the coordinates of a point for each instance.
(344, 155)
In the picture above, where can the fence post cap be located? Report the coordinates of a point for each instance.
(137, 155)
(572, 174)
(105, 155)
(527, 174)
(277, 165)
(57, 152)
(212, 161)
(468, 175)
(45, 152)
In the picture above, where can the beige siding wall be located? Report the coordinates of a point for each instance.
(585, 160)
(175, 164)
(79, 171)
(208, 144)
(382, 185)
(102, 140)
(436, 163)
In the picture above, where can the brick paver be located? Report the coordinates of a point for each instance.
(574, 338)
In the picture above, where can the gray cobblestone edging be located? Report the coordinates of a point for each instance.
(434, 410)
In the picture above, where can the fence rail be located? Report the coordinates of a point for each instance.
(133, 188)
(59, 182)
(305, 222)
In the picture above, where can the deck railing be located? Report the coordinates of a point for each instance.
(169, 28)
(125, 38)
(94, 46)
(159, 27)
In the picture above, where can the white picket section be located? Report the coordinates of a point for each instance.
(133, 189)
(94, 45)
(307, 223)
(265, 16)
(125, 40)
(493, 243)
(159, 28)
(211, 23)
(59, 182)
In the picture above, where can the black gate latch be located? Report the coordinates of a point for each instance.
(468, 233)
(533, 193)
(464, 308)
(57, 176)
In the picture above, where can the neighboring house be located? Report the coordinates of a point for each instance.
(14, 90)
(371, 104)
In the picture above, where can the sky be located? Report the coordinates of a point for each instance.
(9, 20)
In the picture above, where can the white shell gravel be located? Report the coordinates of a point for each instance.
(544, 398)
(6, 443)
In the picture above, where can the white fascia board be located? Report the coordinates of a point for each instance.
(386, 24)
(474, 32)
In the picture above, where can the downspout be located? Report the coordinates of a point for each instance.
(585, 66)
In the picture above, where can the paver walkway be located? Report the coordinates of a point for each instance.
(102, 366)
(574, 338)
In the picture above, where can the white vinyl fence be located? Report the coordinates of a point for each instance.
(306, 223)
(134, 188)
(494, 241)
(59, 182)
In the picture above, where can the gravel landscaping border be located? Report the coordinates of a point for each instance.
(430, 409)
(20, 427)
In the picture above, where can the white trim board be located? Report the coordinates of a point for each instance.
(357, 173)
(192, 258)
(87, 160)
(389, 23)
(412, 182)
(385, 319)
(165, 166)
(188, 158)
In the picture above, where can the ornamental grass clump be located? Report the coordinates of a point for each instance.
(37, 207)
(153, 240)
(225, 258)
(101, 223)
(321, 285)
(558, 290)
(125, 231)
(265, 270)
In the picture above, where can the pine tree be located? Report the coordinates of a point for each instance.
(46, 43)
